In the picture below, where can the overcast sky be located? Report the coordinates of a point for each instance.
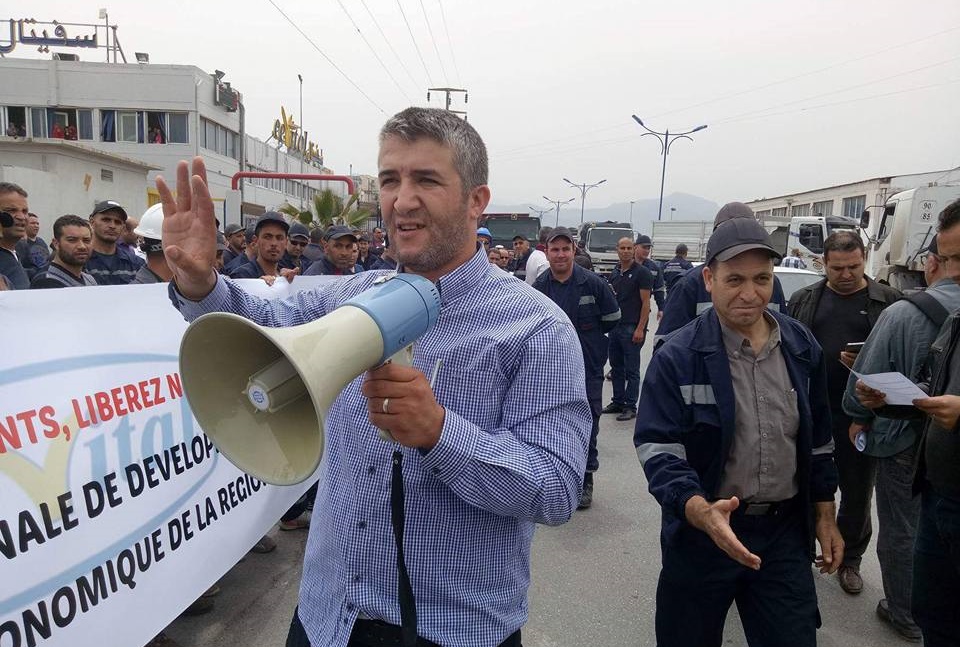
(796, 95)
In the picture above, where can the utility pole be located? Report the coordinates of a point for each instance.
(583, 192)
(558, 203)
(631, 212)
(446, 104)
(665, 138)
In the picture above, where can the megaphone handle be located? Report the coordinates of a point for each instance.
(403, 357)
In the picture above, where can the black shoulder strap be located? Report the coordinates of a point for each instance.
(929, 306)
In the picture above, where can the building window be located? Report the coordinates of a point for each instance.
(853, 207)
(156, 128)
(127, 127)
(231, 145)
(16, 121)
(824, 208)
(38, 122)
(106, 175)
(800, 210)
(780, 212)
(178, 128)
(760, 214)
(85, 124)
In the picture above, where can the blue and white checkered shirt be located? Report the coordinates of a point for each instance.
(512, 454)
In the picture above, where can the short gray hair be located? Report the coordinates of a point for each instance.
(446, 128)
(10, 187)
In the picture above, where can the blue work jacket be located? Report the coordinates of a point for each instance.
(594, 314)
(686, 417)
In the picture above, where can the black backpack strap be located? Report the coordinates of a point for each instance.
(929, 306)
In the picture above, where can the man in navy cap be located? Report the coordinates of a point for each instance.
(236, 242)
(270, 240)
(589, 302)
(733, 432)
(297, 240)
(642, 248)
(249, 254)
(340, 255)
(107, 264)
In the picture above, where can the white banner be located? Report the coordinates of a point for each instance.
(116, 512)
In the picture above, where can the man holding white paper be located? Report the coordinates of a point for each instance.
(900, 341)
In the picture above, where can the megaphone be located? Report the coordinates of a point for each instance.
(261, 394)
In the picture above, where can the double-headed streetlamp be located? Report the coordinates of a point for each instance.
(665, 138)
(540, 212)
(583, 192)
(558, 203)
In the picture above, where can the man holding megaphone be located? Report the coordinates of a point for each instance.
(431, 488)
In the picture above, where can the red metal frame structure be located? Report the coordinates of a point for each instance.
(235, 180)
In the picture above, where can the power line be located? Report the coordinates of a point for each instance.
(415, 46)
(426, 19)
(620, 140)
(372, 51)
(327, 58)
(387, 41)
(832, 92)
(443, 15)
(767, 85)
(810, 73)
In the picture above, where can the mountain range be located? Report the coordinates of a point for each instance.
(685, 207)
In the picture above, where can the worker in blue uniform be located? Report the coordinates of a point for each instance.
(689, 297)
(642, 248)
(591, 305)
(733, 432)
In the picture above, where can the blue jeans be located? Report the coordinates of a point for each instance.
(625, 365)
(898, 512)
(936, 570)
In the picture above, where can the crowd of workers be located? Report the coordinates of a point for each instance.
(747, 422)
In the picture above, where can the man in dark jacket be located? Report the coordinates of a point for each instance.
(733, 434)
(589, 302)
(675, 267)
(839, 310)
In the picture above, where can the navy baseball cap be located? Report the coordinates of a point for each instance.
(109, 205)
(232, 228)
(560, 232)
(339, 231)
(732, 210)
(298, 230)
(644, 240)
(271, 216)
(737, 236)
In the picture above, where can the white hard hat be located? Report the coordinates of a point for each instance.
(151, 223)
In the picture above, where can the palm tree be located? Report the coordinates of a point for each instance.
(329, 209)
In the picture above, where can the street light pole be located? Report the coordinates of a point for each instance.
(558, 203)
(631, 212)
(583, 193)
(665, 138)
(540, 212)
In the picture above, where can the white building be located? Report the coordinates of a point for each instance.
(849, 200)
(140, 118)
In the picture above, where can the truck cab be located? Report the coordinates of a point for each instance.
(600, 239)
(807, 234)
(907, 226)
(504, 227)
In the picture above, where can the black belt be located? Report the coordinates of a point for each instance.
(769, 509)
(376, 633)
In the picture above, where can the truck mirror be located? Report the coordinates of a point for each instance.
(865, 219)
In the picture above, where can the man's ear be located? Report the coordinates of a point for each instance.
(707, 277)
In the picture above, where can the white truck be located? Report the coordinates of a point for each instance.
(806, 234)
(907, 225)
(667, 234)
(600, 239)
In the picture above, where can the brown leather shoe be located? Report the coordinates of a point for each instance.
(850, 580)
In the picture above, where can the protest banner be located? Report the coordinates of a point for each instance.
(116, 512)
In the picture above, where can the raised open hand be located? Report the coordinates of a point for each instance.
(190, 230)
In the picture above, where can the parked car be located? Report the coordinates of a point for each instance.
(792, 279)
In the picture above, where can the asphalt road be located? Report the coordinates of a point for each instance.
(593, 579)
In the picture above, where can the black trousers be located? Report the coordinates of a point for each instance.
(373, 633)
(858, 474)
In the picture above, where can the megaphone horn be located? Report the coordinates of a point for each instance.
(262, 394)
